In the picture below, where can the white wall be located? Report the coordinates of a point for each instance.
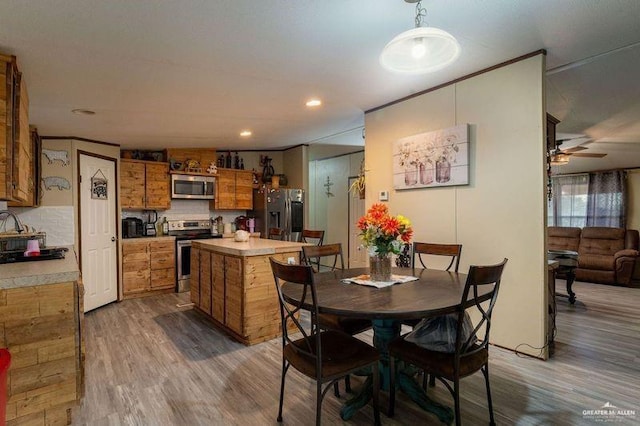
(501, 213)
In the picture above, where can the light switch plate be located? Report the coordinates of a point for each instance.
(383, 196)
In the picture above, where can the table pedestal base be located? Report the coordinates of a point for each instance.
(384, 331)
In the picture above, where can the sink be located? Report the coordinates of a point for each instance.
(49, 253)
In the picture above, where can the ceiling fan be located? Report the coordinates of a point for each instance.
(560, 156)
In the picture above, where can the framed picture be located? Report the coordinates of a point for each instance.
(432, 159)
(99, 186)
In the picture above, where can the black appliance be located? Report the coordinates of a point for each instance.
(186, 231)
(132, 227)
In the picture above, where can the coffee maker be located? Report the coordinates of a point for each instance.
(242, 223)
(150, 224)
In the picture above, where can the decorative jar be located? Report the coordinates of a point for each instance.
(380, 267)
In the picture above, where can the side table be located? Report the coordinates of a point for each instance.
(567, 264)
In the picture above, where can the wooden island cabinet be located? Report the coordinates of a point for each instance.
(232, 283)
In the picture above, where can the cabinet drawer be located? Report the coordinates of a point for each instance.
(162, 246)
(162, 260)
(136, 265)
(137, 247)
(163, 278)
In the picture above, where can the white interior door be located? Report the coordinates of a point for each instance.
(98, 232)
(357, 253)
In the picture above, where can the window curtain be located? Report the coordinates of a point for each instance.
(569, 203)
(606, 199)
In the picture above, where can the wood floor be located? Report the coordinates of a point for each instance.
(150, 362)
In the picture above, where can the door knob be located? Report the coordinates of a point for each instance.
(113, 239)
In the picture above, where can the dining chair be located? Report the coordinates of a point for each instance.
(352, 326)
(480, 294)
(312, 236)
(452, 250)
(323, 355)
(276, 234)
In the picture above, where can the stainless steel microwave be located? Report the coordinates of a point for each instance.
(193, 187)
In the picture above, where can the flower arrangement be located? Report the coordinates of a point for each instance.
(382, 233)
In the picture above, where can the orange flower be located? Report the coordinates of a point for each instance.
(362, 223)
(390, 226)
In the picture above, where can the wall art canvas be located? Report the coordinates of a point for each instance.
(432, 159)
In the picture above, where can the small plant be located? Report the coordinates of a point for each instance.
(358, 185)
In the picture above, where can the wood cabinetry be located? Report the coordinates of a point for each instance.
(42, 328)
(144, 185)
(234, 190)
(32, 198)
(16, 150)
(148, 266)
(238, 292)
(204, 156)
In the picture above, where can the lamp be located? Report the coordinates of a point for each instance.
(420, 50)
(559, 159)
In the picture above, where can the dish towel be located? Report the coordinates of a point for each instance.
(364, 280)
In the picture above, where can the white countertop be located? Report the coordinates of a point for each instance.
(28, 274)
(253, 247)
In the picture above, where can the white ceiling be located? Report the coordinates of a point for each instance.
(164, 73)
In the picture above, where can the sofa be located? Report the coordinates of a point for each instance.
(605, 255)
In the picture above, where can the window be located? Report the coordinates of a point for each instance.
(594, 199)
(568, 206)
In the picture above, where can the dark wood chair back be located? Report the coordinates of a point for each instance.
(313, 255)
(478, 276)
(276, 233)
(312, 348)
(453, 250)
(303, 276)
(312, 237)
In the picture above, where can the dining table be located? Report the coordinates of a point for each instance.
(433, 293)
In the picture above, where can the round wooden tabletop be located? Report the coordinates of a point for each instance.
(434, 293)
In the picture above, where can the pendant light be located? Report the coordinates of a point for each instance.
(420, 50)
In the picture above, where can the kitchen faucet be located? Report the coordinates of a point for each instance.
(19, 226)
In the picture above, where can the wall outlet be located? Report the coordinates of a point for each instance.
(383, 196)
(291, 260)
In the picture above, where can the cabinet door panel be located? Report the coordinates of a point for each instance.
(22, 152)
(226, 189)
(157, 186)
(132, 178)
(205, 281)
(233, 293)
(244, 190)
(162, 260)
(136, 281)
(217, 290)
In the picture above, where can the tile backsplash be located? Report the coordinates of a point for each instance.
(189, 209)
(57, 221)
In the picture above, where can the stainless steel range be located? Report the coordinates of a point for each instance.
(185, 232)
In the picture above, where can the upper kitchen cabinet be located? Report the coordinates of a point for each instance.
(16, 150)
(144, 185)
(234, 190)
(31, 154)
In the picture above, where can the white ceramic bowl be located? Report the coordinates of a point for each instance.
(241, 236)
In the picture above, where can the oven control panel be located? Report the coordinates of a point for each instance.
(189, 225)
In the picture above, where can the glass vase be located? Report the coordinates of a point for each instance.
(411, 175)
(443, 170)
(426, 173)
(380, 267)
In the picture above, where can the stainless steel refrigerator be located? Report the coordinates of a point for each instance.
(279, 208)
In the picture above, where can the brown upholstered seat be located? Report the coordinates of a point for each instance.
(480, 294)
(323, 355)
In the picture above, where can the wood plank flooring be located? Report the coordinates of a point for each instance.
(150, 362)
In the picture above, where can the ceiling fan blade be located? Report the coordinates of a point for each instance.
(586, 154)
(574, 149)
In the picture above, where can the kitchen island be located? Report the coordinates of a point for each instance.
(41, 315)
(232, 283)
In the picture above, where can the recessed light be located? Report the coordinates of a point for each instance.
(81, 111)
(245, 133)
(314, 102)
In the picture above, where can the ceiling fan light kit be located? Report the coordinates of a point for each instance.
(420, 50)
